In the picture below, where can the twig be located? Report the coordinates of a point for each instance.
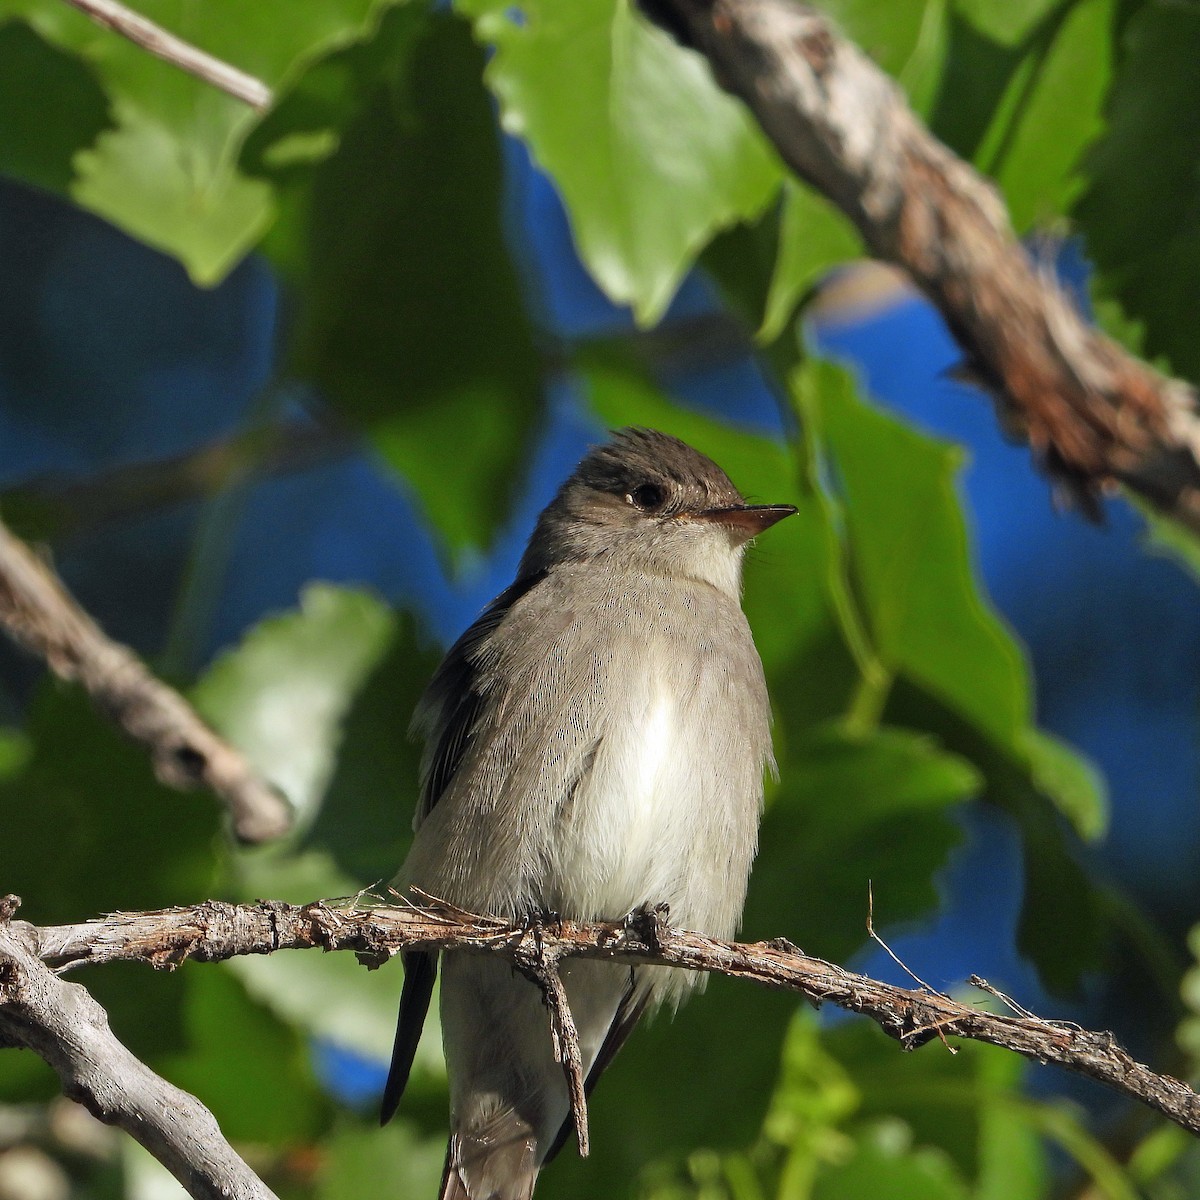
(890, 952)
(1092, 413)
(977, 981)
(37, 611)
(214, 930)
(540, 965)
(936, 1027)
(162, 44)
(61, 1023)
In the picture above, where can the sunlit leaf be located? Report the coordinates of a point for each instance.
(166, 172)
(280, 695)
(650, 156)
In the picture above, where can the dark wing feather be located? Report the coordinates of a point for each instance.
(448, 713)
(450, 708)
(629, 1012)
(420, 970)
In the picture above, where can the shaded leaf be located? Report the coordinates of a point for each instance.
(88, 829)
(365, 822)
(853, 813)
(386, 160)
(246, 1065)
(393, 1161)
(38, 141)
(1141, 213)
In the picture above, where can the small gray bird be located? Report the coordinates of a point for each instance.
(595, 742)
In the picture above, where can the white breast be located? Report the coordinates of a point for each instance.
(627, 834)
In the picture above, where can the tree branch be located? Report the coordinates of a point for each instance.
(62, 1023)
(1092, 413)
(169, 48)
(213, 931)
(37, 611)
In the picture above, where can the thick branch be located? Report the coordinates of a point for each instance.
(176, 51)
(1092, 412)
(215, 931)
(63, 1024)
(38, 612)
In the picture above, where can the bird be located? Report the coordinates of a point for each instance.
(595, 743)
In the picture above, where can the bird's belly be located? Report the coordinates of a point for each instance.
(638, 828)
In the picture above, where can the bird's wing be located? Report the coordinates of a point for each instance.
(451, 705)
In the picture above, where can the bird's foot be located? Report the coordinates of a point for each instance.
(539, 921)
(647, 923)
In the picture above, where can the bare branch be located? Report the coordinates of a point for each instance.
(63, 1024)
(215, 930)
(541, 967)
(37, 611)
(1092, 413)
(169, 48)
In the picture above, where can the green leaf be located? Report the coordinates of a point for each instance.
(649, 155)
(1171, 540)
(1034, 150)
(1078, 788)
(907, 38)
(1023, 110)
(386, 162)
(365, 821)
(393, 1161)
(38, 140)
(1139, 215)
(280, 696)
(854, 814)
(166, 173)
(328, 995)
(89, 830)
(813, 237)
(1189, 1030)
(911, 560)
(934, 657)
(15, 751)
(966, 1105)
(1007, 22)
(252, 1070)
(886, 1172)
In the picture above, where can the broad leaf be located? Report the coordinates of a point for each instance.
(280, 695)
(166, 172)
(649, 155)
(386, 161)
(1140, 215)
(1023, 110)
(38, 141)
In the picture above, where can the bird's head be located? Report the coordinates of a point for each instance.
(648, 501)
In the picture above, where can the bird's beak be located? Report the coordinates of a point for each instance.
(746, 520)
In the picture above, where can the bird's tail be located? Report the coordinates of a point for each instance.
(497, 1163)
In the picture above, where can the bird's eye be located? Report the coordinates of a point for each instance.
(649, 497)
